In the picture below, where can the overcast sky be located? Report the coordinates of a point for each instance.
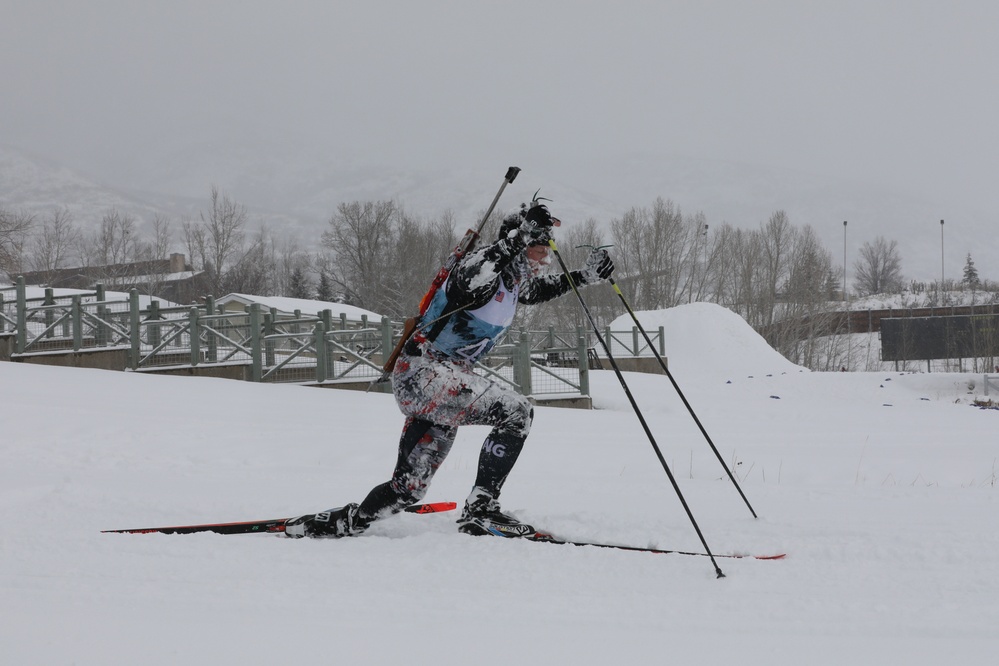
(901, 93)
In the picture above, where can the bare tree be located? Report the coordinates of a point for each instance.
(111, 249)
(810, 265)
(744, 263)
(777, 239)
(116, 241)
(196, 242)
(721, 277)
(153, 251)
(654, 248)
(357, 238)
(223, 237)
(879, 268)
(418, 250)
(292, 268)
(15, 228)
(252, 272)
(57, 243)
(162, 238)
(804, 316)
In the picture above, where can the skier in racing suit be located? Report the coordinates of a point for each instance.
(437, 390)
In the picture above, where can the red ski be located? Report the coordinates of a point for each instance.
(275, 525)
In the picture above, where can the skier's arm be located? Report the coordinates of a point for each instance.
(546, 287)
(475, 280)
(540, 289)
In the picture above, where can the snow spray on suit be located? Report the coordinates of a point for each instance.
(435, 385)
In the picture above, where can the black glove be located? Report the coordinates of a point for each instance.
(598, 267)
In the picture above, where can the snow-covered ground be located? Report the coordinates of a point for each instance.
(881, 487)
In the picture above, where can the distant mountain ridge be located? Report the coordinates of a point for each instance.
(38, 185)
(296, 195)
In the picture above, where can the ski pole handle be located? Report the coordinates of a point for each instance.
(511, 175)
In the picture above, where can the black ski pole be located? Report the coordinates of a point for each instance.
(676, 386)
(634, 405)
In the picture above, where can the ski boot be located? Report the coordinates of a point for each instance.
(482, 516)
(332, 524)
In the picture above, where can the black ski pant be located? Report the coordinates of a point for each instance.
(438, 397)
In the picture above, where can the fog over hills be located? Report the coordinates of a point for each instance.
(295, 194)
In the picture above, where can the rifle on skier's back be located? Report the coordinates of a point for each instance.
(466, 245)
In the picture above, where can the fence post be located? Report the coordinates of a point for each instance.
(634, 340)
(270, 321)
(102, 332)
(387, 345)
(256, 366)
(662, 341)
(133, 328)
(212, 352)
(50, 314)
(194, 331)
(522, 365)
(77, 322)
(154, 329)
(22, 317)
(319, 336)
(584, 364)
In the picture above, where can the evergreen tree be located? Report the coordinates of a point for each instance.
(971, 278)
(299, 284)
(325, 291)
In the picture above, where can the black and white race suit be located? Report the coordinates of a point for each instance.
(435, 385)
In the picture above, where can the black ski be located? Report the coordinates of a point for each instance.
(272, 526)
(544, 537)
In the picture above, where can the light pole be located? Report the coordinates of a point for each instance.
(941, 257)
(844, 261)
(704, 262)
(693, 264)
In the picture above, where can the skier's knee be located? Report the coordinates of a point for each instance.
(519, 416)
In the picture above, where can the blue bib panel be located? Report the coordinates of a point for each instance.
(470, 334)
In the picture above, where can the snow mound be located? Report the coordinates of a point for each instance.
(708, 340)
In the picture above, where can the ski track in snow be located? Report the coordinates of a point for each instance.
(881, 487)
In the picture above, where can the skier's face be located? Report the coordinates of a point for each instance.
(538, 258)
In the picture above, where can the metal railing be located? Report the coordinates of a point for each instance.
(632, 342)
(57, 323)
(540, 363)
(271, 347)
